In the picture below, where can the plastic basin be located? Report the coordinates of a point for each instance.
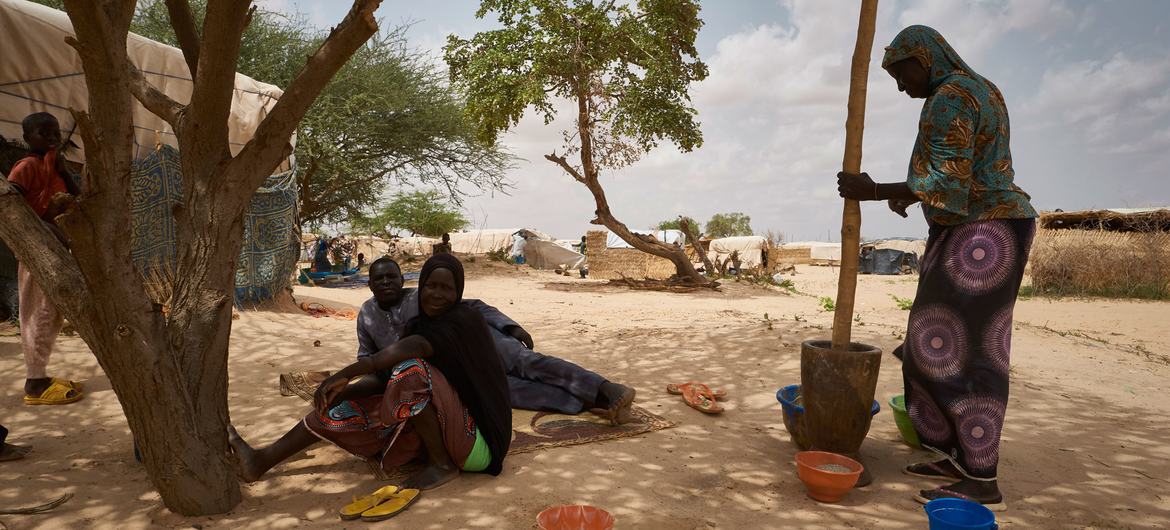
(574, 517)
(789, 398)
(959, 514)
(902, 420)
(827, 476)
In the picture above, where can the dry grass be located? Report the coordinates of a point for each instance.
(1101, 263)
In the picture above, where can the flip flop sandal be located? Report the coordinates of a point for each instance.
(699, 397)
(354, 509)
(75, 385)
(56, 394)
(719, 395)
(926, 496)
(397, 504)
(929, 470)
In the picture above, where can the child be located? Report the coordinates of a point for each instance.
(39, 177)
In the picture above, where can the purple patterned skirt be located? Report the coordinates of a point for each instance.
(958, 340)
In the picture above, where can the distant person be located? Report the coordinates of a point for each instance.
(40, 177)
(955, 360)
(444, 247)
(518, 243)
(584, 270)
(321, 261)
(361, 260)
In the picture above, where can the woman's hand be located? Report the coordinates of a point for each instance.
(328, 391)
(899, 206)
(856, 187)
(521, 335)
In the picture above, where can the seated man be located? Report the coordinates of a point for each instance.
(535, 381)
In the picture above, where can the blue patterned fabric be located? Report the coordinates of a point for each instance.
(269, 251)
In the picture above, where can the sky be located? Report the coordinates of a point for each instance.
(1087, 85)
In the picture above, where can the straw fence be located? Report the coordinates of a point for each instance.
(1101, 263)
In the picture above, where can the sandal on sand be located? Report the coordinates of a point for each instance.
(10, 452)
(719, 394)
(354, 509)
(56, 394)
(75, 385)
(926, 496)
(699, 397)
(930, 470)
(397, 504)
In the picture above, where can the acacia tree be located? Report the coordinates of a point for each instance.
(626, 70)
(419, 212)
(169, 371)
(729, 225)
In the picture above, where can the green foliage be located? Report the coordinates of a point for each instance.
(419, 212)
(502, 254)
(676, 224)
(388, 117)
(628, 68)
(729, 225)
(903, 303)
(827, 303)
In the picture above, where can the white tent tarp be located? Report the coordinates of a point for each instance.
(481, 241)
(917, 246)
(666, 236)
(750, 248)
(818, 250)
(39, 72)
(545, 254)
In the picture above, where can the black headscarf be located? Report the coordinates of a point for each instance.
(466, 355)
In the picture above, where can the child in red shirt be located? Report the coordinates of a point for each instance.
(39, 176)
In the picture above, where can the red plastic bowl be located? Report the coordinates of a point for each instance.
(574, 517)
(825, 484)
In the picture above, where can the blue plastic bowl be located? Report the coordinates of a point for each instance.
(787, 397)
(959, 514)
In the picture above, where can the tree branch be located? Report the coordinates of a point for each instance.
(560, 161)
(184, 24)
(267, 147)
(154, 99)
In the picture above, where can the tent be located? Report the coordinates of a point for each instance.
(675, 237)
(39, 72)
(819, 251)
(481, 241)
(750, 248)
(542, 251)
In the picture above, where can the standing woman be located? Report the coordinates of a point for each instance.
(955, 357)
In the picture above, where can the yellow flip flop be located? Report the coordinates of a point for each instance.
(396, 505)
(56, 394)
(354, 509)
(76, 385)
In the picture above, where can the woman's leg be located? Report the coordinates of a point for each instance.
(255, 462)
(440, 468)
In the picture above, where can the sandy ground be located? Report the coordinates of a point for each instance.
(1086, 445)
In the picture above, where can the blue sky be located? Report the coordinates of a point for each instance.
(1087, 85)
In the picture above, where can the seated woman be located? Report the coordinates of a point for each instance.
(445, 396)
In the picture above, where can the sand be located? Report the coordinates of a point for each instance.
(1085, 444)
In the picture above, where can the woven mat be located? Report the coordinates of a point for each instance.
(531, 431)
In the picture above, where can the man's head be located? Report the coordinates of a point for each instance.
(42, 132)
(386, 282)
(446, 237)
(912, 77)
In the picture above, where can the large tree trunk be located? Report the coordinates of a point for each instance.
(588, 176)
(168, 371)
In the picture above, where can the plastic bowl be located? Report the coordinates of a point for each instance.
(790, 402)
(827, 476)
(902, 419)
(574, 517)
(959, 514)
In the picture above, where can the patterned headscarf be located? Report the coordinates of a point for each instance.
(932, 52)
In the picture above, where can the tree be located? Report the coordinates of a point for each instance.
(676, 224)
(729, 225)
(387, 118)
(419, 212)
(625, 69)
(169, 370)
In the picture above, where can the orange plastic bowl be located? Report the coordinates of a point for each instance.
(827, 476)
(574, 517)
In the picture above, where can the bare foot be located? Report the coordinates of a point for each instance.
(36, 387)
(618, 399)
(432, 476)
(249, 469)
(13, 452)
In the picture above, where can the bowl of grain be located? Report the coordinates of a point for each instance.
(827, 476)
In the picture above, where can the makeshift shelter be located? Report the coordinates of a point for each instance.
(39, 72)
(750, 250)
(614, 263)
(541, 251)
(809, 252)
(891, 256)
(481, 241)
(1114, 252)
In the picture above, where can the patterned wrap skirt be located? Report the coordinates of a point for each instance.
(375, 427)
(955, 360)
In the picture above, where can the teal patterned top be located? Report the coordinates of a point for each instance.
(961, 167)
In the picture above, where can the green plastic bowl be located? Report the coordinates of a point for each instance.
(902, 419)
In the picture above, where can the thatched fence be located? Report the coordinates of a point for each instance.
(1101, 263)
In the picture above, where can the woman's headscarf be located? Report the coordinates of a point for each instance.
(932, 52)
(466, 355)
